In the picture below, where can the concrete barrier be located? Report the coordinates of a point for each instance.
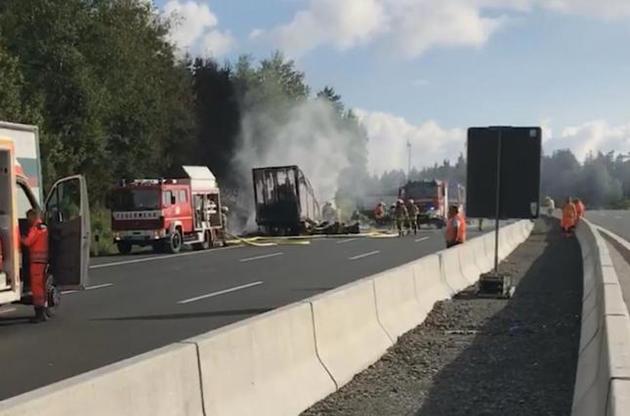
(488, 243)
(505, 241)
(163, 382)
(266, 365)
(429, 282)
(514, 236)
(619, 402)
(348, 333)
(483, 260)
(604, 354)
(397, 305)
(451, 269)
(470, 270)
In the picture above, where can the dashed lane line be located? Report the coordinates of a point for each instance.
(220, 292)
(361, 256)
(349, 240)
(265, 256)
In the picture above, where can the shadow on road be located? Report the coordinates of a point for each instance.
(192, 315)
(14, 320)
(522, 360)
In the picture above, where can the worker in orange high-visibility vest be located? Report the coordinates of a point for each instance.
(36, 241)
(569, 217)
(455, 227)
(579, 208)
(462, 216)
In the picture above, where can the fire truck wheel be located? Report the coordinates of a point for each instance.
(174, 244)
(53, 297)
(124, 247)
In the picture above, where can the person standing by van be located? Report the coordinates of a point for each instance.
(36, 241)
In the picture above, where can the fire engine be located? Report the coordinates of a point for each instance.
(431, 197)
(167, 214)
(66, 211)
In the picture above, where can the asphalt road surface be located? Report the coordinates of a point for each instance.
(137, 303)
(616, 221)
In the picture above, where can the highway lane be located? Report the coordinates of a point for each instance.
(617, 221)
(138, 303)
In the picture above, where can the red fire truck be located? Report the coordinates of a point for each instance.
(168, 213)
(431, 197)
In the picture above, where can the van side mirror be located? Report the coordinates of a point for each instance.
(173, 200)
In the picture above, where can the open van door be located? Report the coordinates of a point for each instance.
(68, 219)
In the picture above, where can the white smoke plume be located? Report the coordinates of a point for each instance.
(310, 136)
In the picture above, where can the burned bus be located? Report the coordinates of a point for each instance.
(285, 201)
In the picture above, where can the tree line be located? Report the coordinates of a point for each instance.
(114, 99)
(602, 180)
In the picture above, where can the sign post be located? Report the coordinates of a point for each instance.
(503, 182)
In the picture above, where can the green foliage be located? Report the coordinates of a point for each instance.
(114, 102)
(103, 242)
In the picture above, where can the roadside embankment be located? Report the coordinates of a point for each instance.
(475, 356)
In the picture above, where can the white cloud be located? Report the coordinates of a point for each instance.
(343, 24)
(608, 9)
(195, 28)
(256, 33)
(412, 27)
(592, 136)
(217, 43)
(388, 136)
(422, 25)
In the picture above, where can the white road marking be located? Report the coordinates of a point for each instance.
(266, 256)
(618, 217)
(347, 241)
(155, 258)
(8, 310)
(417, 240)
(220, 292)
(104, 285)
(360, 256)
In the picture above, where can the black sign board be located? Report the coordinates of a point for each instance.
(503, 172)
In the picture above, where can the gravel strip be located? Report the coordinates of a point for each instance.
(476, 356)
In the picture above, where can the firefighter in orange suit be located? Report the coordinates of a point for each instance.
(36, 241)
(455, 227)
(569, 217)
(579, 209)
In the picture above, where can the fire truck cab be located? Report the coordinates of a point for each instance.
(66, 212)
(167, 214)
(431, 197)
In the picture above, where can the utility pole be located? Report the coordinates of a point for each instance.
(409, 160)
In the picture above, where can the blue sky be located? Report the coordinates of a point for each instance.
(421, 69)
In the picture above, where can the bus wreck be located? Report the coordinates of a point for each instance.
(284, 200)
